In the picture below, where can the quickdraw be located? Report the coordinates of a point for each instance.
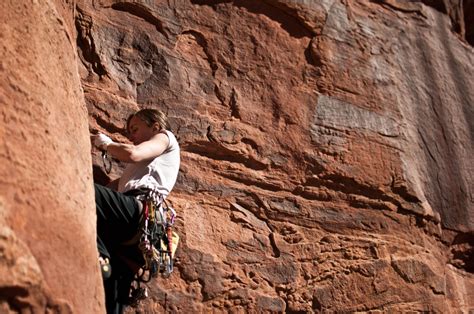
(155, 243)
(107, 162)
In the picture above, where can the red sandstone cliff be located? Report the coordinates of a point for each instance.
(327, 149)
(48, 259)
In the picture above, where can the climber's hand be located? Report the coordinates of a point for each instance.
(101, 141)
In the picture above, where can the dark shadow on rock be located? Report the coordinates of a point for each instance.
(288, 22)
(100, 176)
(462, 252)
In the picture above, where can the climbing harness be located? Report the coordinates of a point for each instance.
(157, 242)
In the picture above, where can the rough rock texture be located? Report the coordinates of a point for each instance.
(48, 257)
(327, 147)
(327, 150)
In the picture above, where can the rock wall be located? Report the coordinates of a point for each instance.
(48, 259)
(327, 147)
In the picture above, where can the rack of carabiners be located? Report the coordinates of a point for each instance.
(156, 234)
(156, 242)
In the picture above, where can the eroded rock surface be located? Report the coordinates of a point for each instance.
(48, 257)
(327, 150)
(327, 147)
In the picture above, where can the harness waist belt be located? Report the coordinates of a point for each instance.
(137, 192)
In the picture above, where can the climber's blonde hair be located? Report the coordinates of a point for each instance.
(150, 117)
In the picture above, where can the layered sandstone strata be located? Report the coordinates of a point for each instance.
(327, 150)
(327, 147)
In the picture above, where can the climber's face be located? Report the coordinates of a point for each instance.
(139, 131)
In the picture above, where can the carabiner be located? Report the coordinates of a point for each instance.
(107, 162)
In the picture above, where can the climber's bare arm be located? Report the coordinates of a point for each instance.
(144, 151)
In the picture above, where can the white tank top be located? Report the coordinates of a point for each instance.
(158, 174)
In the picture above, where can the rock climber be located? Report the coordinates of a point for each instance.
(153, 163)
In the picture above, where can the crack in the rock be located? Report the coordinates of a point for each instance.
(462, 252)
(234, 106)
(140, 11)
(349, 186)
(252, 182)
(399, 7)
(276, 250)
(202, 42)
(86, 44)
(220, 153)
(273, 12)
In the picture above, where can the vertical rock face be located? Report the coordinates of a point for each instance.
(327, 147)
(48, 259)
(327, 150)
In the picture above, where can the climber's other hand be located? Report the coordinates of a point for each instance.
(101, 141)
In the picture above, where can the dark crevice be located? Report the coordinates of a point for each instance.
(141, 12)
(251, 143)
(291, 10)
(373, 204)
(252, 182)
(86, 45)
(211, 3)
(218, 152)
(468, 10)
(288, 22)
(350, 186)
(316, 304)
(377, 199)
(99, 175)
(461, 14)
(276, 109)
(276, 250)
(242, 222)
(210, 136)
(462, 252)
(219, 95)
(14, 296)
(257, 208)
(313, 165)
(201, 41)
(234, 106)
(404, 7)
(310, 56)
(436, 4)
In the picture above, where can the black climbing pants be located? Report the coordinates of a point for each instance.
(118, 220)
